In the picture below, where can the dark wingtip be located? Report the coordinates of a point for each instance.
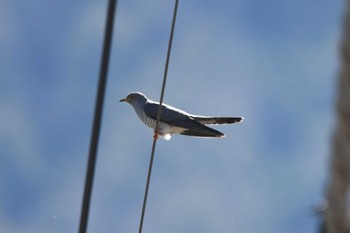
(213, 134)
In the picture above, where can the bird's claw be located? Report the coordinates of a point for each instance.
(155, 135)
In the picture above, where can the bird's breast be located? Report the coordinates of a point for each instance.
(150, 122)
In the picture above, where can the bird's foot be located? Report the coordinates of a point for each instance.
(155, 135)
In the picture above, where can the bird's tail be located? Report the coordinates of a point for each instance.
(206, 120)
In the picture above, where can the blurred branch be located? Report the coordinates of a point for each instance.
(336, 216)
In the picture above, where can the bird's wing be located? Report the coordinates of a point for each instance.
(177, 117)
(169, 114)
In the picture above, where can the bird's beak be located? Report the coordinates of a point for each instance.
(122, 100)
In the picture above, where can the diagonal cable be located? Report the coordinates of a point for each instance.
(158, 116)
(98, 116)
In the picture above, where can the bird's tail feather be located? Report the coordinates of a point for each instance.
(205, 120)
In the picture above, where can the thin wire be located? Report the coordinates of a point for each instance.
(158, 117)
(167, 65)
(98, 116)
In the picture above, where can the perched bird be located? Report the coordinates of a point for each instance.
(173, 120)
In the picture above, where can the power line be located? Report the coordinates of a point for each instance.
(158, 117)
(98, 116)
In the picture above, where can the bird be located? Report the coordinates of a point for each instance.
(175, 121)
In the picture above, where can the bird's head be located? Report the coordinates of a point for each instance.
(134, 97)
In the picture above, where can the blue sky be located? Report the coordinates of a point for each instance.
(273, 62)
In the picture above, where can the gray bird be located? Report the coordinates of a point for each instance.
(175, 121)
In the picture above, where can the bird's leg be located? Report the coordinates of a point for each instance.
(155, 135)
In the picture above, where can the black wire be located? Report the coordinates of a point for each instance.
(158, 118)
(98, 116)
(147, 185)
(167, 64)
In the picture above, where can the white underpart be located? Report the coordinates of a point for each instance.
(167, 136)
